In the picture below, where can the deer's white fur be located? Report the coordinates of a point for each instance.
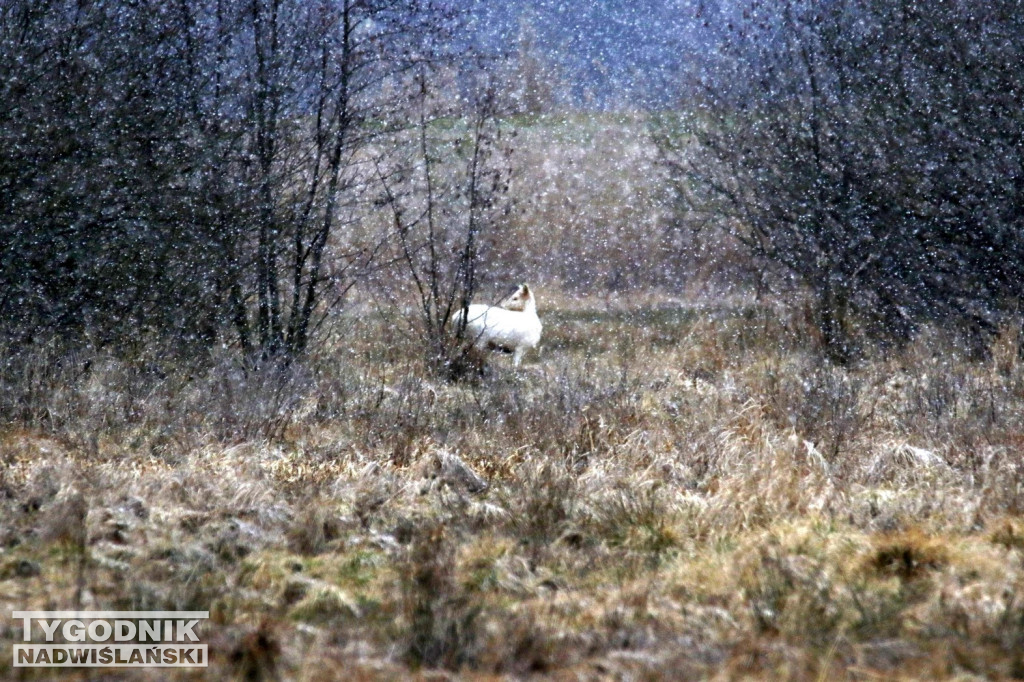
(514, 326)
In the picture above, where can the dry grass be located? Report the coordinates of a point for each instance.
(668, 491)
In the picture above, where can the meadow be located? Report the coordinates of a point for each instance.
(672, 489)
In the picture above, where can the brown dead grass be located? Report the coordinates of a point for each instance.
(669, 490)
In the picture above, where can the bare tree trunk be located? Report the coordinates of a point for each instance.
(265, 111)
(833, 322)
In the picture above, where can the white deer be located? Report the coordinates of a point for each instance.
(512, 327)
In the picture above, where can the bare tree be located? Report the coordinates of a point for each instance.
(317, 71)
(843, 141)
(441, 206)
(193, 169)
